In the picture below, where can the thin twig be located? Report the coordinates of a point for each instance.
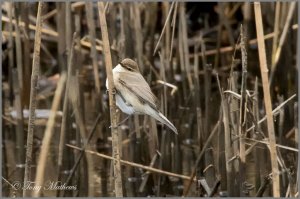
(274, 112)
(163, 30)
(173, 24)
(151, 169)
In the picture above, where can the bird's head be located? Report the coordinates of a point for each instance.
(129, 65)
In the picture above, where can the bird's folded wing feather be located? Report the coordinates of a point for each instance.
(136, 83)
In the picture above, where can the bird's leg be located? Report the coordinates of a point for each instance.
(121, 121)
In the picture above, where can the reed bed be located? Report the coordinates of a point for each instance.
(225, 74)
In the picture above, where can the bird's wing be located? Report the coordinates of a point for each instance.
(136, 84)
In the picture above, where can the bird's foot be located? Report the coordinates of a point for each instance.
(119, 124)
(114, 91)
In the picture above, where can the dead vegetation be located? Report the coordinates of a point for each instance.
(225, 74)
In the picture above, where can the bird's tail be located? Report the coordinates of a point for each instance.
(160, 117)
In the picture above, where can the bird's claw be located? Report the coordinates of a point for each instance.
(114, 91)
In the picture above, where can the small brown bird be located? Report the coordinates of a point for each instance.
(133, 93)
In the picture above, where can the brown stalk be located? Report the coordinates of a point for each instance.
(181, 60)
(42, 161)
(197, 94)
(148, 168)
(32, 27)
(139, 36)
(233, 119)
(282, 39)
(68, 25)
(187, 188)
(20, 149)
(274, 111)
(33, 93)
(93, 55)
(296, 124)
(185, 45)
(231, 48)
(61, 28)
(146, 175)
(267, 98)
(81, 154)
(228, 143)
(257, 155)
(163, 30)
(18, 90)
(19, 57)
(276, 32)
(167, 43)
(26, 55)
(55, 11)
(73, 95)
(173, 24)
(112, 102)
(10, 45)
(62, 47)
(242, 119)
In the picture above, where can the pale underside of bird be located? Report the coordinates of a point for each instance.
(133, 93)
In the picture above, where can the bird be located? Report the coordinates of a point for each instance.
(133, 94)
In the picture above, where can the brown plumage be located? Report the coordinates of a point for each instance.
(134, 95)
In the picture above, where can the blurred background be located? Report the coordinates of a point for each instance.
(200, 60)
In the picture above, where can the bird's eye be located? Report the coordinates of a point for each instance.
(129, 68)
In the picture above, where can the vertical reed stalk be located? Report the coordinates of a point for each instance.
(10, 52)
(20, 127)
(26, 56)
(18, 88)
(267, 98)
(228, 144)
(138, 35)
(276, 32)
(93, 55)
(64, 44)
(282, 39)
(257, 155)
(242, 119)
(185, 45)
(33, 93)
(61, 29)
(112, 102)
